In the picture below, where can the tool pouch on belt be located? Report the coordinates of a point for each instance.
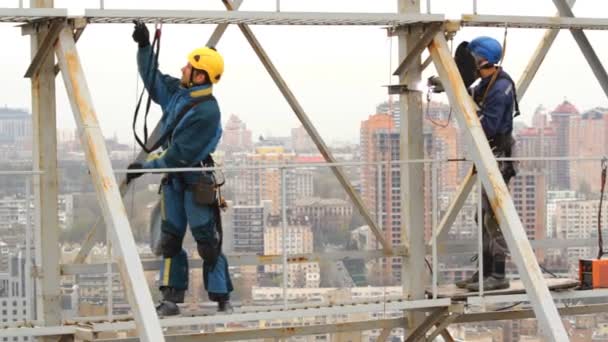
(204, 191)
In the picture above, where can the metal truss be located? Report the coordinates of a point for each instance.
(53, 28)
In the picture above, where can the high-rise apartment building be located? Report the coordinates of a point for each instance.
(561, 118)
(236, 137)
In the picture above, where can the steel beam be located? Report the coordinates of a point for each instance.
(537, 59)
(255, 316)
(498, 193)
(583, 43)
(526, 314)
(420, 332)
(45, 47)
(279, 333)
(108, 194)
(442, 326)
(421, 45)
(534, 22)
(221, 28)
(91, 237)
(44, 129)
(257, 18)
(411, 146)
(452, 212)
(311, 130)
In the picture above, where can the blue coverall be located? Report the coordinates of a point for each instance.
(192, 141)
(496, 116)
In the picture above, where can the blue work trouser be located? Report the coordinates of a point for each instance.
(179, 210)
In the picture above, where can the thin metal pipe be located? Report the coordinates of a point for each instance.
(284, 235)
(278, 5)
(109, 278)
(474, 6)
(15, 173)
(28, 250)
(434, 205)
(480, 235)
(312, 165)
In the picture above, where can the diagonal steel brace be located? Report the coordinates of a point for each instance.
(498, 193)
(45, 48)
(583, 43)
(537, 59)
(312, 132)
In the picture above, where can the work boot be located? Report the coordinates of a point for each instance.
(167, 308)
(168, 305)
(489, 284)
(497, 281)
(487, 269)
(462, 284)
(224, 307)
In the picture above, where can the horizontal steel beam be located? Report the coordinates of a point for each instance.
(557, 295)
(514, 21)
(280, 333)
(38, 331)
(341, 309)
(235, 260)
(449, 247)
(257, 18)
(525, 314)
(24, 15)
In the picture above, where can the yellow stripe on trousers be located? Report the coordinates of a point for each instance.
(166, 272)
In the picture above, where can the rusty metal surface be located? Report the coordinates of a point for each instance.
(498, 193)
(46, 271)
(106, 188)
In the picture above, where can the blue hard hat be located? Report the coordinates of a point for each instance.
(486, 47)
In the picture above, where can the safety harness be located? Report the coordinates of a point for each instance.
(151, 72)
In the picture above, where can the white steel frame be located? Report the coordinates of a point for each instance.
(53, 28)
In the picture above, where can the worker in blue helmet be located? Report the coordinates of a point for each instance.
(497, 101)
(191, 130)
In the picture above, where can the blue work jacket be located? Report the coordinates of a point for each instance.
(197, 134)
(496, 110)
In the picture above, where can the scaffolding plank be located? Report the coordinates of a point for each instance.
(515, 21)
(517, 287)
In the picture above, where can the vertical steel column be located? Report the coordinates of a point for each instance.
(412, 174)
(44, 131)
(108, 194)
(498, 193)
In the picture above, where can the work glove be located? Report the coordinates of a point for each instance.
(434, 82)
(141, 35)
(132, 176)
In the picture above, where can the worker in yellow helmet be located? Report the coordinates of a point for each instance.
(191, 129)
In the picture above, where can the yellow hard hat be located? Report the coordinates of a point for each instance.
(207, 59)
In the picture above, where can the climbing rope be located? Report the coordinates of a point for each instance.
(151, 72)
(600, 239)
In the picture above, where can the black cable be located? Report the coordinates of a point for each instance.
(547, 271)
(508, 307)
(427, 114)
(428, 264)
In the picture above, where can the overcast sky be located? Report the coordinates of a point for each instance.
(337, 73)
